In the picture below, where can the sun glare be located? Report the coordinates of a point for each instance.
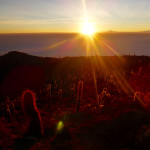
(88, 29)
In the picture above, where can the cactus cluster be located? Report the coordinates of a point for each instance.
(103, 98)
(8, 109)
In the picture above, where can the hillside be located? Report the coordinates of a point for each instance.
(119, 123)
(19, 70)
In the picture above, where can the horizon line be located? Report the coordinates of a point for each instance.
(109, 31)
(119, 55)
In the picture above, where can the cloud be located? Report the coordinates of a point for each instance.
(32, 22)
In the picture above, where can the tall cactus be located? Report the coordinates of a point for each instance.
(79, 95)
(73, 90)
(9, 115)
(49, 87)
(104, 96)
(99, 99)
(35, 127)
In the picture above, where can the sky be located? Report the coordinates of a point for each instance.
(28, 16)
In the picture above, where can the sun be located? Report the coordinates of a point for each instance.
(88, 29)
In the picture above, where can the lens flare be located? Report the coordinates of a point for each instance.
(60, 126)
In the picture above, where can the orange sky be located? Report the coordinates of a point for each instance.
(19, 16)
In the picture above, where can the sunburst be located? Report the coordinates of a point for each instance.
(88, 29)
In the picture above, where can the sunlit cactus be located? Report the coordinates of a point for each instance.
(138, 99)
(103, 96)
(99, 100)
(108, 95)
(35, 128)
(136, 96)
(105, 89)
(79, 95)
(60, 95)
(104, 93)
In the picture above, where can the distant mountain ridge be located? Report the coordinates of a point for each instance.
(112, 31)
(148, 31)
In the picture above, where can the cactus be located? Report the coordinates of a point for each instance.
(105, 89)
(136, 96)
(49, 87)
(7, 101)
(9, 115)
(79, 95)
(99, 99)
(104, 96)
(137, 99)
(80, 90)
(73, 90)
(12, 109)
(35, 127)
